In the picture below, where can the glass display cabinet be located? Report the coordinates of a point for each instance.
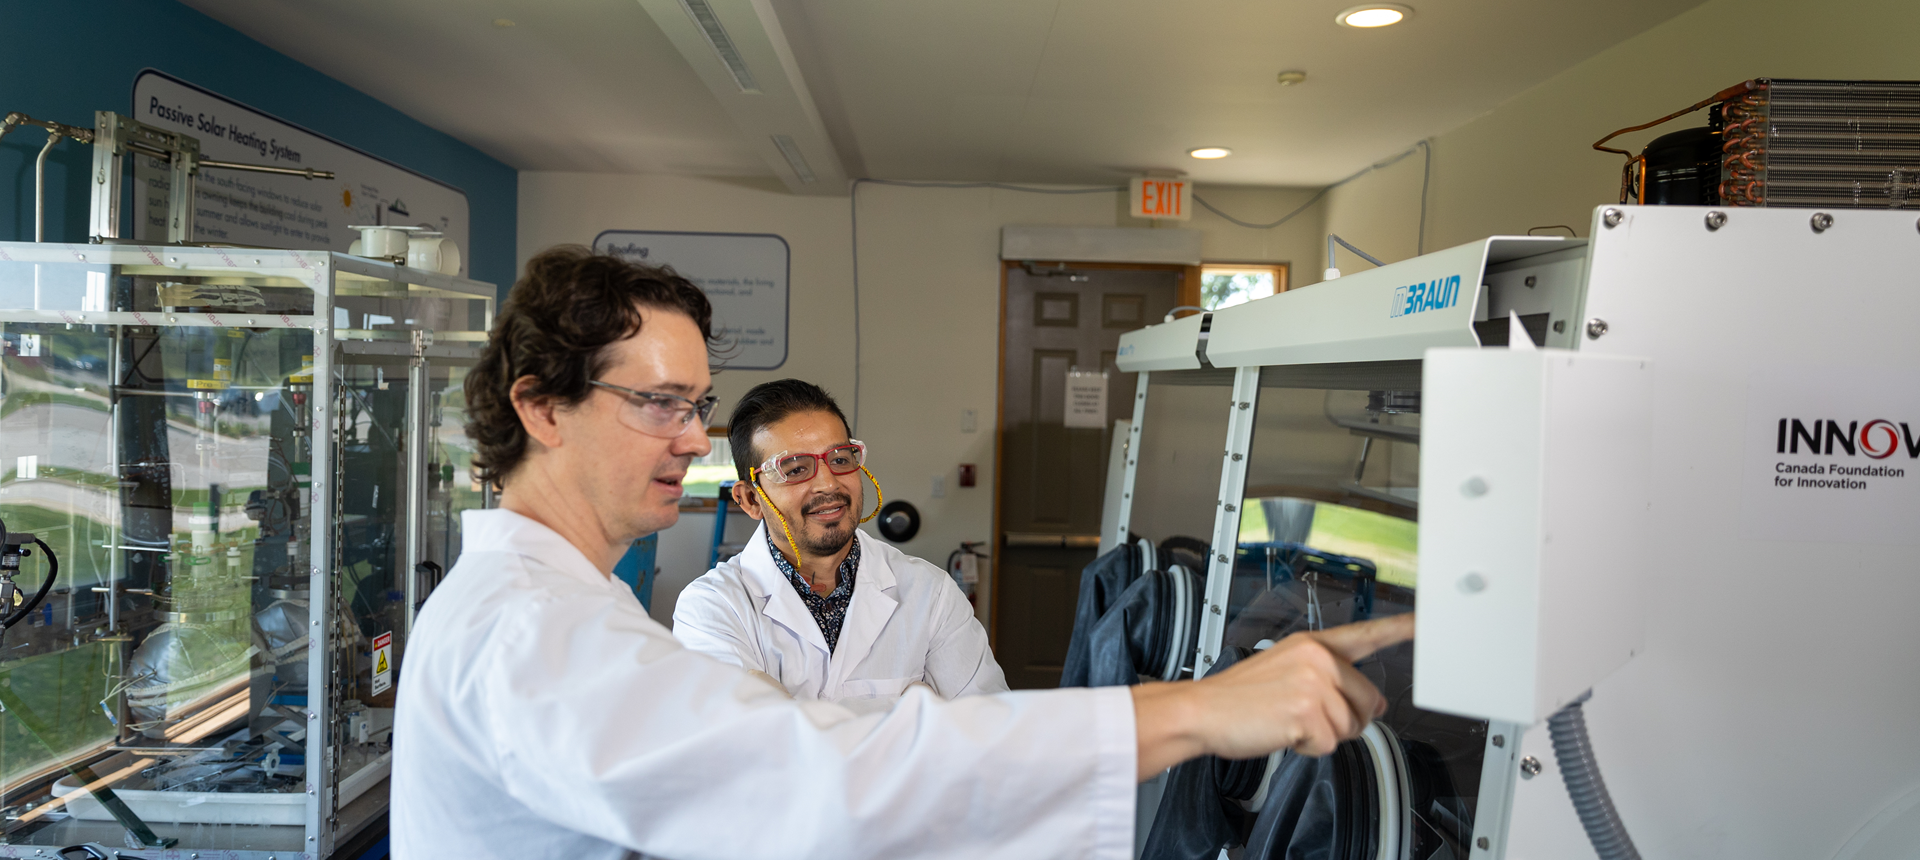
(250, 466)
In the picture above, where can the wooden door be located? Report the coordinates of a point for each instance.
(1053, 478)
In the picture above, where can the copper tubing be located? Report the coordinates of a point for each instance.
(1746, 132)
(1633, 182)
(1727, 94)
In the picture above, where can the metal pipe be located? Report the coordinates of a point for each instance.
(16, 119)
(40, 188)
(416, 500)
(321, 521)
(307, 172)
(115, 554)
(138, 392)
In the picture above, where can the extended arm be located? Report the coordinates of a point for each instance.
(648, 745)
(1301, 694)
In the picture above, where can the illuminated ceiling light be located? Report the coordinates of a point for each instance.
(1210, 152)
(1289, 78)
(1373, 15)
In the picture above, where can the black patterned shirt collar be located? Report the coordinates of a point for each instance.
(830, 610)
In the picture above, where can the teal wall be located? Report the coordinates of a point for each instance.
(65, 59)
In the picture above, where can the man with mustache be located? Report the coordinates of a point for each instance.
(822, 608)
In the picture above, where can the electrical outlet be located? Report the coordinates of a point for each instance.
(940, 486)
(969, 420)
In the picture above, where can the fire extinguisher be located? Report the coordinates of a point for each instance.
(963, 565)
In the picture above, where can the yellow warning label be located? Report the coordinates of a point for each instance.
(214, 384)
(305, 373)
(382, 663)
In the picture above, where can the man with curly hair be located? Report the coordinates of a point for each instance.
(543, 714)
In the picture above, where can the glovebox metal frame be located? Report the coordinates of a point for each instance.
(1711, 298)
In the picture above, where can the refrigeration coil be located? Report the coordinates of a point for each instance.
(1846, 144)
(1830, 144)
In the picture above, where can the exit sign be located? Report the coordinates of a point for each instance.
(1150, 197)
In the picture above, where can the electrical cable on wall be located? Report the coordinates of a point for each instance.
(853, 206)
(1333, 271)
(1426, 176)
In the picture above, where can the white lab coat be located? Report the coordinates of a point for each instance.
(907, 622)
(542, 714)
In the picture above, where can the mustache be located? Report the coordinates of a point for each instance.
(823, 502)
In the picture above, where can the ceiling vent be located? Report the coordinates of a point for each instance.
(794, 159)
(709, 23)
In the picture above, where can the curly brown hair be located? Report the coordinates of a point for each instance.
(556, 326)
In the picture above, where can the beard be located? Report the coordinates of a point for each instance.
(827, 539)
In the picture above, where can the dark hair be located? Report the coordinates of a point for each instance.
(556, 326)
(767, 404)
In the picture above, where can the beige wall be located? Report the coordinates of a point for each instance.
(929, 299)
(1529, 163)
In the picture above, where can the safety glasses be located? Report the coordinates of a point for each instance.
(655, 414)
(787, 467)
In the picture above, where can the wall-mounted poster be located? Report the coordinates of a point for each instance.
(743, 274)
(277, 211)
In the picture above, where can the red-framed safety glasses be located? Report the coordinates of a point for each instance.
(788, 467)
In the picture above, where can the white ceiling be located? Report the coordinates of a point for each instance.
(1009, 90)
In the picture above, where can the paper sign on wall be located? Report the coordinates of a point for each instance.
(743, 274)
(382, 663)
(276, 211)
(1086, 399)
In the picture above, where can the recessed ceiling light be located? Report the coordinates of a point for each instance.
(1290, 78)
(1210, 152)
(1373, 15)
(504, 22)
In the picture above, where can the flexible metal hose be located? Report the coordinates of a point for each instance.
(1581, 770)
(46, 585)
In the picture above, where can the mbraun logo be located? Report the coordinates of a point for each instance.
(1428, 296)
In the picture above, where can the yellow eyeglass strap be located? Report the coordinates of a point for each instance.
(800, 561)
(879, 498)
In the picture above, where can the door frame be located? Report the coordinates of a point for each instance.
(1188, 294)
